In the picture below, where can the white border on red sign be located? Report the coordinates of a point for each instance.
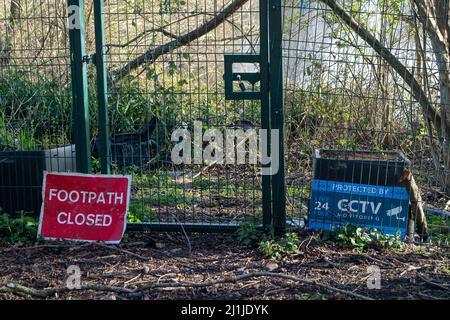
(128, 177)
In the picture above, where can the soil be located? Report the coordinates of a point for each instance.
(414, 273)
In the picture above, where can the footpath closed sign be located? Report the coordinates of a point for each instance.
(84, 207)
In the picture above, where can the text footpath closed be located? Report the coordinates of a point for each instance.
(84, 207)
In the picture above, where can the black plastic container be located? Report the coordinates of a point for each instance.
(21, 174)
(134, 148)
(379, 168)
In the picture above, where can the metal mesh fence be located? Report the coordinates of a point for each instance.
(159, 85)
(165, 62)
(35, 99)
(340, 94)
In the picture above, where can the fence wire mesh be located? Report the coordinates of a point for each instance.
(165, 62)
(35, 99)
(341, 94)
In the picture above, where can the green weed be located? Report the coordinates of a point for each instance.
(21, 229)
(248, 233)
(363, 238)
(277, 248)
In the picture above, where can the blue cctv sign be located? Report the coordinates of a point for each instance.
(335, 204)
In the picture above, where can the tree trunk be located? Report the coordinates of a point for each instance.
(433, 14)
(439, 118)
(6, 44)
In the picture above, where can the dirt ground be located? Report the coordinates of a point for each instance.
(141, 267)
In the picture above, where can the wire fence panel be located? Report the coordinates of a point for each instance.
(166, 68)
(364, 106)
(35, 100)
(341, 94)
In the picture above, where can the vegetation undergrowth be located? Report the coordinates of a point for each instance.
(250, 235)
(363, 238)
(21, 229)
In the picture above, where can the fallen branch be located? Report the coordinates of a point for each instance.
(428, 297)
(123, 251)
(368, 257)
(232, 279)
(435, 284)
(44, 293)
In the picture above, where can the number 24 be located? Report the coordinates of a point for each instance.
(321, 206)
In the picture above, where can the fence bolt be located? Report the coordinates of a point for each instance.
(88, 59)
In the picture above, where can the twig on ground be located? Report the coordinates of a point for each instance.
(123, 251)
(232, 279)
(435, 284)
(44, 293)
(47, 246)
(272, 291)
(309, 242)
(368, 257)
(428, 297)
(185, 234)
(131, 280)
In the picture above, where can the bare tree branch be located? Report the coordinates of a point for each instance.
(417, 91)
(434, 18)
(153, 54)
(44, 293)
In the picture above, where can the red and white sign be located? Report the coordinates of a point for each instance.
(84, 207)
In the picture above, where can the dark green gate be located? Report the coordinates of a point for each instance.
(168, 65)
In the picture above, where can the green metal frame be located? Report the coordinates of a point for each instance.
(270, 95)
(277, 112)
(230, 76)
(187, 227)
(80, 108)
(102, 89)
(167, 79)
(265, 105)
(272, 109)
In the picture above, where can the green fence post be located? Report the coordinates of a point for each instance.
(80, 109)
(277, 112)
(265, 107)
(104, 147)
